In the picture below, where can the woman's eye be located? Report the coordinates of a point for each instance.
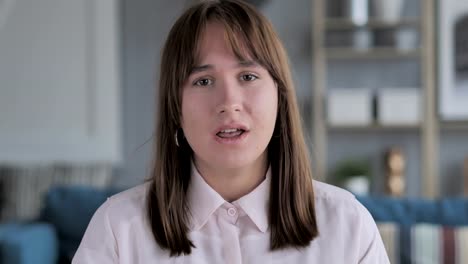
(248, 77)
(203, 82)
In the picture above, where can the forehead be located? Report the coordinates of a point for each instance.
(216, 38)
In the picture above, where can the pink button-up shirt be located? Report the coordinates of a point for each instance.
(234, 232)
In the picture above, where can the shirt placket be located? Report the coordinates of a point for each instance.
(230, 233)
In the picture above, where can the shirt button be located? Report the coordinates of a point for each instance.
(232, 211)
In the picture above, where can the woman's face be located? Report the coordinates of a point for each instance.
(229, 107)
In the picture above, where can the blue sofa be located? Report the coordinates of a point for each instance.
(28, 243)
(410, 211)
(56, 235)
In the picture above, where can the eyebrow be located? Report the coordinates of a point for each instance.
(205, 67)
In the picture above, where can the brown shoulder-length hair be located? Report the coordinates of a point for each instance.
(291, 213)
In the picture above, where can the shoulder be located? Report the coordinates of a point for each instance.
(135, 194)
(337, 201)
(126, 204)
(345, 224)
(327, 191)
(338, 209)
(330, 194)
(110, 223)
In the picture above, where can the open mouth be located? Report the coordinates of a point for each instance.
(230, 133)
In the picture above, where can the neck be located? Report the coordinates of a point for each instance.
(233, 183)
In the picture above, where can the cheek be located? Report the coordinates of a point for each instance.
(267, 104)
(188, 107)
(194, 113)
(187, 114)
(272, 114)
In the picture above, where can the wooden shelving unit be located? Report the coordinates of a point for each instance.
(344, 23)
(428, 129)
(453, 126)
(372, 54)
(374, 128)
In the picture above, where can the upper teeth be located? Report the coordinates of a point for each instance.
(230, 130)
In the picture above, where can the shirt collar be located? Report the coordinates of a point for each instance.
(204, 201)
(255, 203)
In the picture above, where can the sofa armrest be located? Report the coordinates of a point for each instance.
(31, 243)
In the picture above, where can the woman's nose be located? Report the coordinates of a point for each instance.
(229, 97)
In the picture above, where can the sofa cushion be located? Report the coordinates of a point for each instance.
(69, 209)
(453, 211)
(28, 243)
(409, 211)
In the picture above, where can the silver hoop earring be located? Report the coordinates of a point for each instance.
(176, 139)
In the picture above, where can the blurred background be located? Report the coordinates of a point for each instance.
(382, 86)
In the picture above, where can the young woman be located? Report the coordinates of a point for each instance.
(231, 181)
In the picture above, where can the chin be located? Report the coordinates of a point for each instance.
(232, 164)
(235, 161)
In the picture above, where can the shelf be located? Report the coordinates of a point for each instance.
(373, 53)
(374, 128)
(454, 126)
(346, 23)
(334, 40)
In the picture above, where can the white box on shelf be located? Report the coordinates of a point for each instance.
(349, 107)
(399, 106)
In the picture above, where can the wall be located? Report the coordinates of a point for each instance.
(145, 25)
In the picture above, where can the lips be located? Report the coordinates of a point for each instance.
(231, 131)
